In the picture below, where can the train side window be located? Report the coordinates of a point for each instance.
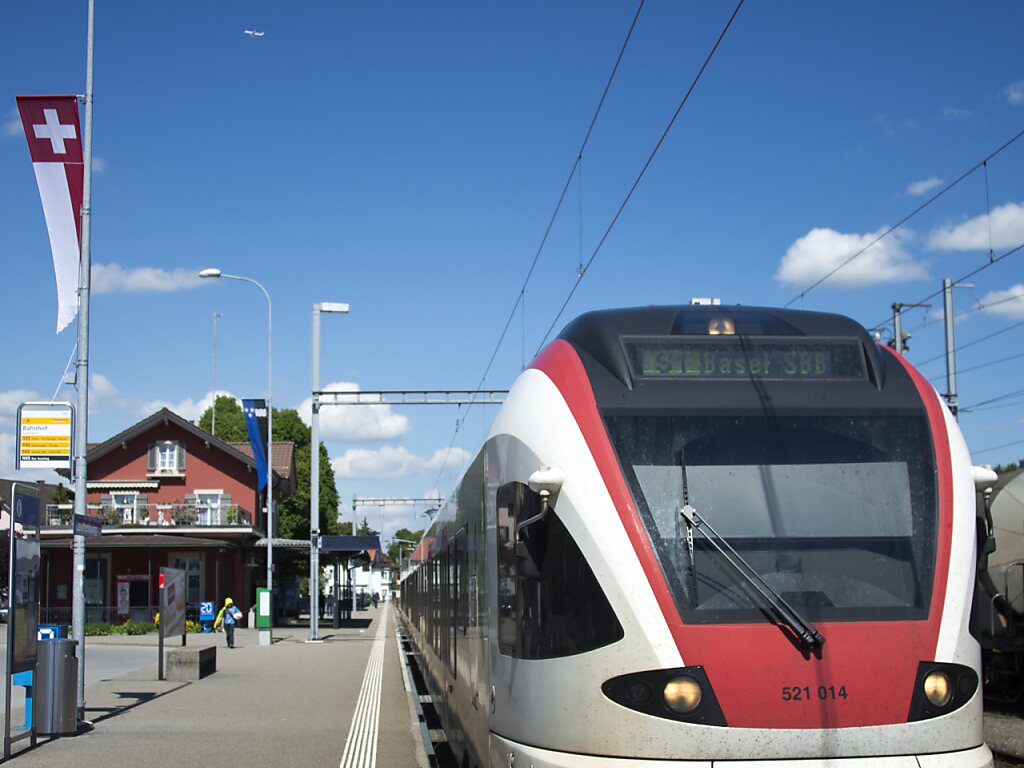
(549, 601)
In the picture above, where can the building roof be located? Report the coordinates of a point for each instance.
(283, 462)
(284, 455)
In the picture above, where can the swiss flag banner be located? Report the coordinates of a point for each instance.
(55, 143)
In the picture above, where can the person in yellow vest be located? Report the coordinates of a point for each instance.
(227, 617)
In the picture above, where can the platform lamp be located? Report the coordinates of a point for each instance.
(266, 636)
(332, 307)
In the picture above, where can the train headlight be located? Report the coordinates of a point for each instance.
(682, 694)
(937, 688)
(941, 688)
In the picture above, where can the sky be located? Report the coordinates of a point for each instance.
(407, 157)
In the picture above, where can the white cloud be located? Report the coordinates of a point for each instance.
(12, 123)
(926, 185)
(952, 113)
(375, 421)
(100, 386)
(1009, 303)
(1007, 227)
(99, 165)
(1014, 93)
(188, 409)
(395, 462)
(822, 250)
(10, 400)
(103, 397)
(113, 278)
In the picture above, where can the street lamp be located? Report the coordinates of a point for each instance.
(400, 542)
(265, 636)
(314, 480)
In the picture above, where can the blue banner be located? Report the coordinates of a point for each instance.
(256, 423)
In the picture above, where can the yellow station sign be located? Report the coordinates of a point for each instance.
(45, 432)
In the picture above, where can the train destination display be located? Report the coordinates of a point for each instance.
(738, 357)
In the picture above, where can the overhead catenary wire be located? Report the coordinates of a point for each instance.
(996, 447)
(521, 296)
(986, 337)
(982, 163)
(998, 398)
(561, 198)
(980, 306)
(1008, 404)
(968, 276)
(961, 371)
(640, 176)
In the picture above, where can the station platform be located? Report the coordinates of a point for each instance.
(342, 702)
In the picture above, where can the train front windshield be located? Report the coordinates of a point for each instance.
(836, 512)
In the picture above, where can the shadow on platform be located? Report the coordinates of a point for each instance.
(132, 699)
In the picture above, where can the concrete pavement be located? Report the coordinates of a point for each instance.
(290, 704)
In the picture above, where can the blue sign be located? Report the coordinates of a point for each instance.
(48, 632)
(26, 509)
(85, 525)
(206, 611)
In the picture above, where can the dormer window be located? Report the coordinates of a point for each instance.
(166, 458)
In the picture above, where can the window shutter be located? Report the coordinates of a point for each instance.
(225, 500)
(181, 457)
(107, 500)
(190, 498)
(142, 507)
(151, 460)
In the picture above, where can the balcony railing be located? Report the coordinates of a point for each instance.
(60, 515)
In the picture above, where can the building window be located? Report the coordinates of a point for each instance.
(126, 508)
(166, 458)
(208, 507)
(192, 565)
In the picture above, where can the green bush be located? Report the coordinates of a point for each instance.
(133, 628)
(98, 628)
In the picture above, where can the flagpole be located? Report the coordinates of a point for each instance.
(82, 379)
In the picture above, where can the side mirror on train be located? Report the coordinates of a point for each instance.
(984, 477)
(526, 568)
(547, 481)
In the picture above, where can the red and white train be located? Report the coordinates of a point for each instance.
(707, 536)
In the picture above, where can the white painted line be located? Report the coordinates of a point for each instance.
(361, 744)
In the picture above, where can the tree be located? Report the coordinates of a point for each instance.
(62, 495)
(230, 420)
(407, 535)
(293, 511)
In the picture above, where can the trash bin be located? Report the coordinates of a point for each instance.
(56, 688)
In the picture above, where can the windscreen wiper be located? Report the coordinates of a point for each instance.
(801, 628)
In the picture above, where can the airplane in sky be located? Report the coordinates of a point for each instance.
(254, 33)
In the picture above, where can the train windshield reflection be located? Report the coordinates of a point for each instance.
(836, 513)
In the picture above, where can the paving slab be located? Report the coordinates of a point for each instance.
(290, 703)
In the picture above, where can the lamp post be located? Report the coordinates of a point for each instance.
(266, 636)
(213, 411)
(400, 542)
(314, 472)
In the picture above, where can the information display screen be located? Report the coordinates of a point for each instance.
(738, 357)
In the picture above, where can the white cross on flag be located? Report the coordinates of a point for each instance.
(55, 142)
